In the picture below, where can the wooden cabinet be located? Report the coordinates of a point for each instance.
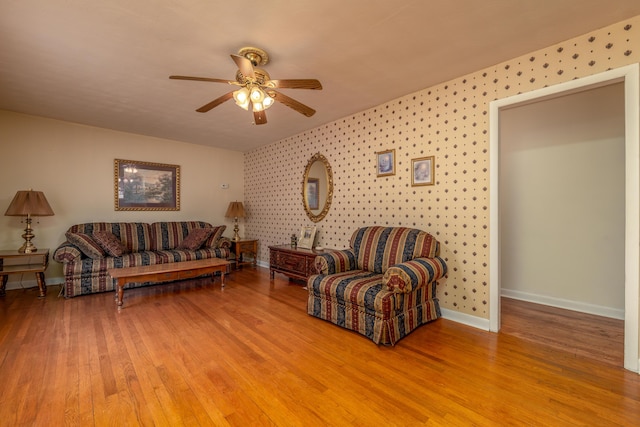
(295, 263)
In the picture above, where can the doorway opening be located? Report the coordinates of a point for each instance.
(628, 76)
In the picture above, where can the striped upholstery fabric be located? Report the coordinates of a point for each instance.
(410, 275)
(378, 248)
(136, 236)
(84, 275)
(382, 307)
(168, 235)
(335, 262)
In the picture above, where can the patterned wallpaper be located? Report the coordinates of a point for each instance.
(449, 121)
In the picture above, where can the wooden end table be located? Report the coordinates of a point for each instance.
(242, 246)
(34, 262)
(167, 273)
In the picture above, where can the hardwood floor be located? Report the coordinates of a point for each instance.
(192, 354)
(584, 335)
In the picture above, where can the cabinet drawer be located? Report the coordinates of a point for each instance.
(291, 262)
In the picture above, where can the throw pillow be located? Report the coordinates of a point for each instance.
(110, 243)
(86, 244)
(195, 239)
(216, 235)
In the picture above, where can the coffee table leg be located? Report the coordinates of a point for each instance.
(222, 279)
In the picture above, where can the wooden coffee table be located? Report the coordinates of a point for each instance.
(167, 272)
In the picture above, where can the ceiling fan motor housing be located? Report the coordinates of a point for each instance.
(256, 55)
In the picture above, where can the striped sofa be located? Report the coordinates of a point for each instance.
(85, 262)
(383, 286)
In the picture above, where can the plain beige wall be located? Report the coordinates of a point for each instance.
(562, 200)
(73, 165)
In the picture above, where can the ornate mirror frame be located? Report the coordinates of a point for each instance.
(305, 180)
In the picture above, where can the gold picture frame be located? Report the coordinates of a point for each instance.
(145, 186)
(423, 171)
(386, 163)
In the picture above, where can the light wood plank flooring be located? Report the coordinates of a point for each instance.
(192, 354)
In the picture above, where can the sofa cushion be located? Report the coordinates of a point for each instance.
(111, 244)
(168, 235)
(408, 276)
(136, 236)
(214, 239)
(86, 244)
(195, 239)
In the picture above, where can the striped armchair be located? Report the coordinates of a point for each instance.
(383, 286)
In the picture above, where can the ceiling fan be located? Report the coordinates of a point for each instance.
(256, 89)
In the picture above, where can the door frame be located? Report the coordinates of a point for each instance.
(630, 75)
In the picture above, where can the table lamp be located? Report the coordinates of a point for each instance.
(29, 203)
(235, 211)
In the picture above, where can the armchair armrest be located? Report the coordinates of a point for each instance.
(67, 252)
(408, 276)
(224, 242)
(332, 262)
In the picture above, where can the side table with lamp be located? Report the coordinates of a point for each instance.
(28, 258)
(240, 246)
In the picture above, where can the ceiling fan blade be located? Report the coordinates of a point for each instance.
(201, 79)
(292, 103)
(296, 84)
(215, 102)
(260, 117)
(244, 65)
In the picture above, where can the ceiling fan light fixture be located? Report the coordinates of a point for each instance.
(257, 95)
(241, 96)
(255, 87)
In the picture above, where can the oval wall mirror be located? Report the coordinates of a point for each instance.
(317, 187)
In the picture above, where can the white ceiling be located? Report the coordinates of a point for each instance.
(106, 63)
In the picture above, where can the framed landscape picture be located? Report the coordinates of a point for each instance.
(145, 186)
(422, 171)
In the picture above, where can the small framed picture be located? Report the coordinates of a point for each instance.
(422, 171)
(386, 163)
(307, 236)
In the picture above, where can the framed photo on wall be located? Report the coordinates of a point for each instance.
(386, 163)
(307, 236)
(422, 171)
(144, 186)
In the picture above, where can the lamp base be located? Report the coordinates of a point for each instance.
(28, 247)
(236, 236)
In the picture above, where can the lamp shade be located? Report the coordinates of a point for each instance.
(29, 202)
(235, 210)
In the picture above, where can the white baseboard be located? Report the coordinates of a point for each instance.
(465, 319)
(581, 307)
